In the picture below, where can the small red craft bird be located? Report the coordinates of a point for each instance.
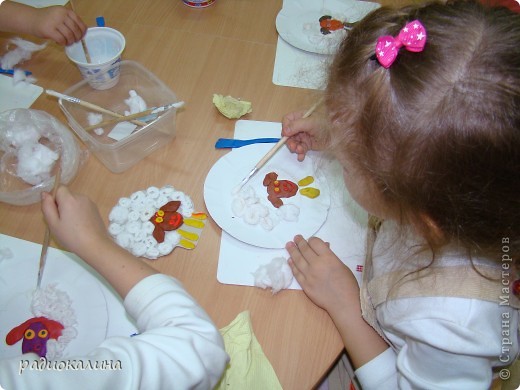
(328, 24)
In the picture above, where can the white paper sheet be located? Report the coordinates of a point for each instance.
(21, 95)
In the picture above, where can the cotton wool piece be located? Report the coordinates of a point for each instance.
(276, 275)
(56, 304)
(130, 226)
(135, 103)
(256, 211)
(35, 162)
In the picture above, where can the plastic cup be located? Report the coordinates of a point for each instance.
(105, 46)
(198, 3)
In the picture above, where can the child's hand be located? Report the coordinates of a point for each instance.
(74, 220)
(303, 133)
(324, 278)
(60, 24)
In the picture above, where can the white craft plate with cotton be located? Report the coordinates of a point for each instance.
(298, 22)
(98, 311)
(344, 229)
(229, 171)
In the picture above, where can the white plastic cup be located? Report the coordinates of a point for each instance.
(105, 46)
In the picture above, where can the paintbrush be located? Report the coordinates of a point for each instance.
(89, 106)
(273, 150)
(47, 237)
(151, 113)
(83, 43)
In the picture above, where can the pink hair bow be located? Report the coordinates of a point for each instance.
(412, 37)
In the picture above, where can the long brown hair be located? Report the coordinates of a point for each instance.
(438, 132)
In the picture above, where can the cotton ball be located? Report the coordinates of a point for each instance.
(160, 201)
(152, 253)
(124, 239)
(146, 213)
(261, 210)
(289, 212)
(150, 242)
(140, 235)
(172, 238)
(267, 223)
(153, 192)
(133, 227)
(138, 196)
(19, 54)
(187, 207)
(247, 192)
(133, 216)
(35, 163)
(125, 202)
(251, 217)
(164, 248)
(138, 249)
(277, 275)
(167, 191)
(94, 118)
(135, 102)
(118, 214)
(114, 229)
(22, 136)
(99, 131)
(148, 227)
(238, 206)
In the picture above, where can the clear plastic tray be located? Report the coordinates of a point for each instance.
(120, 155)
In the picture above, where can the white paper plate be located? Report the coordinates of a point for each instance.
(229, 171)
(18, 280)
(299, 25)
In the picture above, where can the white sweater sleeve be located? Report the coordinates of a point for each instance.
(178, 347)
(442, 343)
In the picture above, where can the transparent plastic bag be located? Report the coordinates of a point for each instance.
(32, 145)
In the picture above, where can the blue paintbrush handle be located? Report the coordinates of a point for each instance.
(237, 143)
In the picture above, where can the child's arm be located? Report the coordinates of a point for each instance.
(60, 24)
(303, 132)
(332, 286)
(75, 221)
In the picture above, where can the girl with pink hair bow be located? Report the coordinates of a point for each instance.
(422, 110)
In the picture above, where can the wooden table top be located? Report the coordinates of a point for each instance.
(228, 48)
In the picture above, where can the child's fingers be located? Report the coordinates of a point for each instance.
(305, 249)
(67, 35)
(319, 246)
(50, 209)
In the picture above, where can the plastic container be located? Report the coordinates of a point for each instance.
(120, 155)
(23, 130)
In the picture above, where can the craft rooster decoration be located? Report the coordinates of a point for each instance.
(35, 333)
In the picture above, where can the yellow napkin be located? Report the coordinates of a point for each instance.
(231, 107)
(248, 367)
